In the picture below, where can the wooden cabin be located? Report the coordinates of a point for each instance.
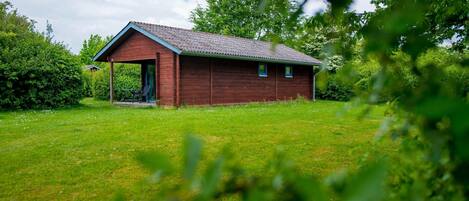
(181, 66)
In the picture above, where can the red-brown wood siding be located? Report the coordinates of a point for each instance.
(236, 81)
(299, 85)
(138, 47)
(195, 81)
(166, 79)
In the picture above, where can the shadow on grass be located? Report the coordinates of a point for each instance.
(84, 104)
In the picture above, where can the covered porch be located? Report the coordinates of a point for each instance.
(147, 94)
(158, 60)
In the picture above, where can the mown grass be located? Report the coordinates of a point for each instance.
(88, 152)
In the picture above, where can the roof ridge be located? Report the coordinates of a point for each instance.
(146, 23)
(191, 30)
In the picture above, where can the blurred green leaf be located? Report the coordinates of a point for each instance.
(192, 154)
(256, 194)
(339, 5)
(367, 184)
(456, 110)
(119, 196)
(437, 107)
(311, 189)
(211, 179)
(155, 162)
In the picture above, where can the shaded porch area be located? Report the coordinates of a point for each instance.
(146, 94)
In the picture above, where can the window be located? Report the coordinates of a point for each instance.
(288, 72)
(262, 71)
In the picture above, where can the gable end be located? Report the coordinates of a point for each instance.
(103, 53)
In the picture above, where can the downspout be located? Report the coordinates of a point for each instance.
(314, 82)
(314, 87)
(178, 80)
(210, 80)
(276, 82)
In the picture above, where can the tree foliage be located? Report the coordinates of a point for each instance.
(438, 21)
(91, 47)
(256, 19)
(34, 71)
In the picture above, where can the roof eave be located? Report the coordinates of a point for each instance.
(248, 58)
(135, 27)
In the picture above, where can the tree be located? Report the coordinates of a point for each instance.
(255, 19)
(49, 33)
(324, 38)
(90, 48)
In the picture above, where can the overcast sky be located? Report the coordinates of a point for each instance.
(75, 20)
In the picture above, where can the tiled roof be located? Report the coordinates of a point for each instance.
(214, 45)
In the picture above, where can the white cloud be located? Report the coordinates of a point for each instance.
(75, 20)
(314, 6)
(360, 6)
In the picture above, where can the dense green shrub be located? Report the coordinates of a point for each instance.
(453, 73)
(100, 84)
(34, 71)
(126, 80)
(334, 88)
(461, 80)
(367, 74)
(89, 49)
(343, 86)
(50, 78)
(87, 78)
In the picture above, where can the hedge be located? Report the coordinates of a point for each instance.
(36, 74)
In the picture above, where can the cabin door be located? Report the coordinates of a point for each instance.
(149, 88)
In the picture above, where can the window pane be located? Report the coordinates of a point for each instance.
(262, 70)
(288, 71)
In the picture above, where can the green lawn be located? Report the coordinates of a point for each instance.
(88, 152)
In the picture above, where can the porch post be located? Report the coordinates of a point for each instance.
(111, 81)
(157, 90)
(178, 77)
(142, 76)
